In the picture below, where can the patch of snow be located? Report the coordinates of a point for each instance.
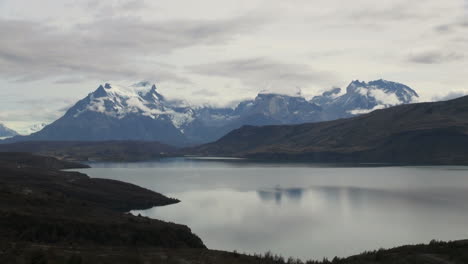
(363, 91)
(389, 99)
(97, 106)
(365, 111)
(180, 119)
(120, 101)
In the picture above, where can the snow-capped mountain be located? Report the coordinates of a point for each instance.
(139, 112)
(279, 108)
(6, 132)
(266, 109)
(362, 97)
(140, 99)
(115, 112)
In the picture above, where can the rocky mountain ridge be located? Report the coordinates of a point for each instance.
(140, 112)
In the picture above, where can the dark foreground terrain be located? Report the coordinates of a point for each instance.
(433, 253)
(53, 216)
(93, 150)
(42, 205)
(424, 133)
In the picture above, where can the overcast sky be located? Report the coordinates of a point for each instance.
(54, 52)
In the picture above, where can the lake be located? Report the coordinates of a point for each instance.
(302, 210)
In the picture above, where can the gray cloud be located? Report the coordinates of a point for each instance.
(400, 12)
(450, 96)
(112, 8)
(451, 27)
(392, 13)
(108, 48)
(70, 46)
(464, 22)
(443, 28)
(44, 109)
(205, 92)
(264, 73)
(134, 5)
(434, 57)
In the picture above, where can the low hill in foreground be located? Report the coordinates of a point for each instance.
(424, 133)
(93, 151)
(42, 205)
(18, 160)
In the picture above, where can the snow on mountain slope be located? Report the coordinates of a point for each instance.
(380, 94)
(119, 101)
(139, 99)
(139, 112)
(279, 107)
(362, 97)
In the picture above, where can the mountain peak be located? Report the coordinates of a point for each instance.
(326, 97)
(141, 89)
(405, 93)
(358, 82)
(100, 92)
(140, 100)
(138, 111)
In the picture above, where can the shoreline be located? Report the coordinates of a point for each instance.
(60, 216)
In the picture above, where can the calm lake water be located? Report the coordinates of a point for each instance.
(301, 210)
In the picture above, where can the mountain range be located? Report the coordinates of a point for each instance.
(421, 133)
(6, 132)
(140, 112)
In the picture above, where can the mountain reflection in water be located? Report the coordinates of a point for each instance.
(277, 194)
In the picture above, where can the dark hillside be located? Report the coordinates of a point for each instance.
(425, 133)
(93, 151)
(45, 205)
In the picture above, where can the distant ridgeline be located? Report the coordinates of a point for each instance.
(139, 112)
(6, 132)
(423, 133)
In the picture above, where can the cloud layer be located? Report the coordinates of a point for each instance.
(264, 73)
(217, 52)
(107, 48)
(435, 57)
